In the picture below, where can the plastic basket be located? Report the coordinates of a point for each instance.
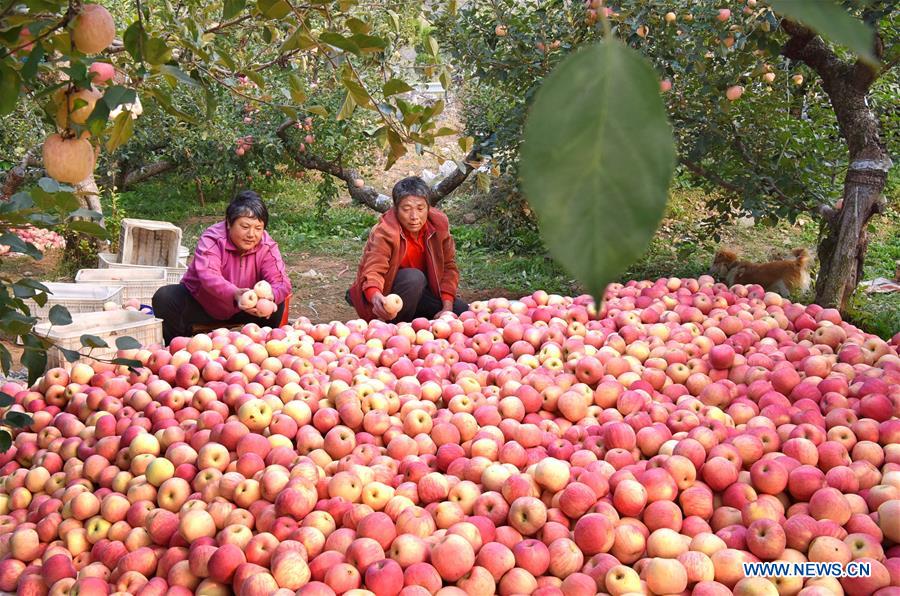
(149, 242)
(136, 283)
(108, 260)
(146, 329)
(77, 298)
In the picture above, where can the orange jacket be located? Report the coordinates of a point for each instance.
(386, 247)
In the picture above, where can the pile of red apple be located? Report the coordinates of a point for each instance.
(531, 446)
(41, 238)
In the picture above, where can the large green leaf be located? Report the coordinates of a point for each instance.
(395, 86)
(122, 129)
(596, 161)
(273, 9)
(9, 89)
(831, 21)
(92, 341)
(127, 343)
(34, 357)
(231, 8)
(59, 315)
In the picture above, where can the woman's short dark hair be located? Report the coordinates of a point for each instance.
(412, 186)
(247, 204)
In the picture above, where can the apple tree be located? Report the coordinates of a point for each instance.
(776, 118)
(321, 83)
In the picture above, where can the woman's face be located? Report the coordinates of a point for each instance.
(246, 232)
(413, 213)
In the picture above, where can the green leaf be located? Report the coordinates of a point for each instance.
(16, 244)
(129, 362)
(88, 227)
(17, 419)
(597, 172)
(368, 43)
(831, 21)
(395, 86)
(433, 47)
(127, 343)
(122, 129)
(397, 149)
(339, 41)
(156, 51)
(231, 8)
(6, 400)
(5, 441)
(29, 69)
(273, 9)
(257, 78)
(317, 110)
(298, 40)
(298, 94)
(34, 358)
(395, 20)
(48, 185)
(92, 341)
(5, 359)
(9, 89)
(16, 323)
(358, 26)
(178, 74)
(165, 102)
(347, 108)
(69, 355)
(134, 39)
(59, 315)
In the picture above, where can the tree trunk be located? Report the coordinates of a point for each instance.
(844, 240)
(89, 198)
(843, 243)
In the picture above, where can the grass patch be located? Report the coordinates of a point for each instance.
(483, 267)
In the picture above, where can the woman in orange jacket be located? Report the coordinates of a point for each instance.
(410, 253)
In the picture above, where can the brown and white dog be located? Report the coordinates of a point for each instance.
(782, 276)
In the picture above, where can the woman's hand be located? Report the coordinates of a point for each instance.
(237, 296)
(379, 309)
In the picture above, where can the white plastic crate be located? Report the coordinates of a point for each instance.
(110, 260)
(77, 298)
(145, 328)
(136, 283)
(149, 242)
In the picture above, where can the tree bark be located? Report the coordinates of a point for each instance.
(133, 177)
(843, 238)
(365, 194)
(15, 176)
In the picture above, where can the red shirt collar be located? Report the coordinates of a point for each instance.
(426, 230)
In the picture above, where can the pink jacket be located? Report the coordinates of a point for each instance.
(218, 270)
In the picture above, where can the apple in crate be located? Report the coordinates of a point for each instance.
(111, 306)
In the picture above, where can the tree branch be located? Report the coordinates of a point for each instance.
(139, 175)
(365, 194)
(15, 176)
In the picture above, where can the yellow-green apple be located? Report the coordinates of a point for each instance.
(527, 515)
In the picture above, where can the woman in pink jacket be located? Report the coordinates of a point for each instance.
(231, 257)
